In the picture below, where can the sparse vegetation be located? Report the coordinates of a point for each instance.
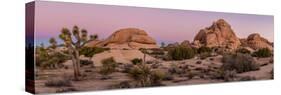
(243, 50)
(136, 61)
(239, 62)
(181, 53)
(108, 66)
(226, 75)
(204, 49)
(204, 55)
(73, 42)
(145, 77)
(86, 62)
(247, 78)
(90, 51)
(123, 84)
(58, 82)
(264, 52)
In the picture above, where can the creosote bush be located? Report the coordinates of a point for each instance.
(239, 62)
(181, 53)
(136, 61)
(264, 52)
(108, 66)
(145, 77)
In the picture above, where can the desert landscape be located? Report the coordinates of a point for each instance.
(131, 58)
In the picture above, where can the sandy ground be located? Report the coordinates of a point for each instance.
(92, 79)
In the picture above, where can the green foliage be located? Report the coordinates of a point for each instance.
(108, 66)
(157, 77)
(136, 61)
(204, 49)
(264, 52)
(86, 62)
(45, 59)
(181, 53)
(243, 50)
(145, 77)
(239, 62)
(91, 51)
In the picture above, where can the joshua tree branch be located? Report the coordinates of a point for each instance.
(83, 44)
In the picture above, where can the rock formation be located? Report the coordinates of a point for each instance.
(129, 38)
(255, 41)
(219, 34)
(186, 43)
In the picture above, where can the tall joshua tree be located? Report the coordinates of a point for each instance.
(74, 41)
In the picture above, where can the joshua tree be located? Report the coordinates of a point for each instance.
(73, 42)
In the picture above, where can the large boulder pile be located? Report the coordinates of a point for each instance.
(219, 34)
(255, 41)
(127, 38)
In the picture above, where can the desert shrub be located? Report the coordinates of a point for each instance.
(156, 65)
(174, 69)
(168, 77)
(145, 77)
(90, 51)
(190, 74)
(141, 74)
(181, 53)
(157, 77)
(127, 68)
(136, 61)
(204, 49)
(243, 50)
(108, 66)
(264, 52)
(239, 62)
(86, 62)
(60, 90)
(226, 75)
(123, 84)
(204, 55)
(49, 60)
(247, 78)
(58, 82)
(157, 52)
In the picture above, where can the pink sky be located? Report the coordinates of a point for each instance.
(165, 25)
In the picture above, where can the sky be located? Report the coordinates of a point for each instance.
(164, 25)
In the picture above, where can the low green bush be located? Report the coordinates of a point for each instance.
(108, 66)
(136, 61)
(90, 51)
(264, 52)
(239, 62)
(181, 53)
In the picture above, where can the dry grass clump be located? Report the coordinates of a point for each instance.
(108, 66)
(239, 62)
(145, 77)
(58, 82)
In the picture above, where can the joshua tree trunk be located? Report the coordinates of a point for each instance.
(77, 62)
